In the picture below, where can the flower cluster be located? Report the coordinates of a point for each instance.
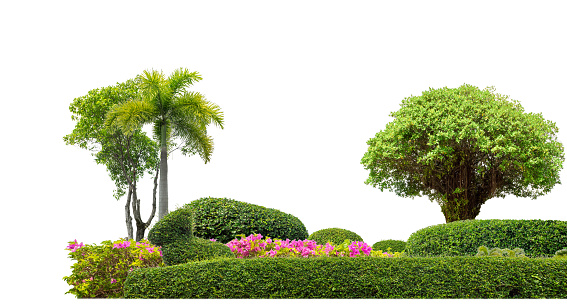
(254, 246)
(73, 246)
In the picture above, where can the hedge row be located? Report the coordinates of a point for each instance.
(538, 238)
(359, 277)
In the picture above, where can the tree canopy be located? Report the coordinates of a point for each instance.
(175, 113)
(126, 156)
(463, 146)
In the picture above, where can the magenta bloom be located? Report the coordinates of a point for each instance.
(73, 246)
(112, 281)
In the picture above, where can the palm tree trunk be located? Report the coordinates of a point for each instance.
(163, 198)
(129, 227)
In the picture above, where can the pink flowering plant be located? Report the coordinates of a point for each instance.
(254, 246)
(100, 271)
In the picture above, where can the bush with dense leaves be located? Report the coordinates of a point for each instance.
(334, 235)
(354, 278)
(223, 219)
(538, 238)
(174, 233)
(394, 245)
(100, 270)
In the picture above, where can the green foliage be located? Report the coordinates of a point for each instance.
(538, 238)
(463, 146)
(394, 245)
(165, 103)
(334, 235)
(100, 271)
(195, 249)
(135, 153)
(175, 234)
(223, 219)
(484, 251)
(175, 227)
(561, 254)
(353, 278)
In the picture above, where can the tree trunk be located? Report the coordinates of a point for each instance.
(140, 225)
(163, 198)
(129, 227)
(460, 208)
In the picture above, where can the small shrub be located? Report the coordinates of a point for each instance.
(100, 270)
(223, 219)
(484, 251)
(196, 249)
(538, 238)
(561, 254)
(335, 235)
(175, 234)
(394, 245)
(176, 226)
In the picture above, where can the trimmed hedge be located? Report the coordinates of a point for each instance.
(174, 233)
(196, 249)
(395, 245)
(335, 235)
(358, 277)
(176, 226)
(223, 219)
(538, 238)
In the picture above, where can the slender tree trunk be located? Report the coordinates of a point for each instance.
(163, 198)
(140, 225)
(129, 227)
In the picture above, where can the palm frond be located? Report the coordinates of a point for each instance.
(130, 115)
(155, 89)
(194, 105)
(180, 79)
(194, 137)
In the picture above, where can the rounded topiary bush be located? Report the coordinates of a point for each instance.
(538, 238)
(394, 245)
(174, 233)
(335, 235)
(223, 219)
(196, 249)
(175, 226)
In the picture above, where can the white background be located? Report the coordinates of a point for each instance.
(302, 84)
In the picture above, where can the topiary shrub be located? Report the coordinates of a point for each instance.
(538, 238)
(176, 226)
(394, 245)
(196, 249)
(174, 233)
(223, 219)
(335, 235)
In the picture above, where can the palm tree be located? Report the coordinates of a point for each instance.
(174, 113)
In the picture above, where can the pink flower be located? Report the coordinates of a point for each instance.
(112, 281)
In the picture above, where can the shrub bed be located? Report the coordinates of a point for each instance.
(538, 238)
(358, 277)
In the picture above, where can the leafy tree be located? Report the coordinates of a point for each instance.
(463, 146)
(126, 156)
(174, 113)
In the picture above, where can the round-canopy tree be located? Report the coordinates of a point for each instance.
(463, 146)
